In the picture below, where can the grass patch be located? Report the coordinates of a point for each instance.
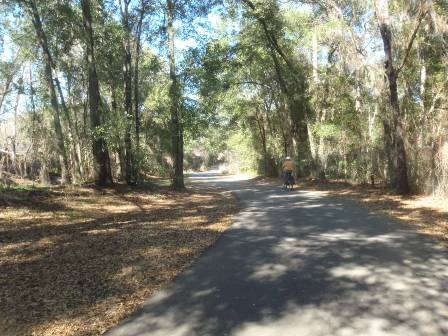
(23, 187)
(77, 260)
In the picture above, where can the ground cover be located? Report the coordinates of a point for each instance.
(77, 260)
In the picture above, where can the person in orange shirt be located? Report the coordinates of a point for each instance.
(288, 165)
(288, 168)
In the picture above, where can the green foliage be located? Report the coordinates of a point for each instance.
(241, 151)
(327, 130)
(247, 88)
(20, 188)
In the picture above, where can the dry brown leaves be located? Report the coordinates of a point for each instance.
(428, 214)
(76, 261)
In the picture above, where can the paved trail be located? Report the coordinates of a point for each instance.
(299, 263)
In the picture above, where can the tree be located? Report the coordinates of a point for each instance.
(103, 174)
(294, 86)
(175, 105)
(257, 81)
(31, 7)
(127, 74)
(400, 177)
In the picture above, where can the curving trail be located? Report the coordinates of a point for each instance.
(300, 263)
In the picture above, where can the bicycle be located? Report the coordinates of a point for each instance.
(288, 181)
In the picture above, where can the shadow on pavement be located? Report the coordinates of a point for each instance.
(299, 263)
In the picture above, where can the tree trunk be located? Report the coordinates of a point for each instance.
(42, 38)
(6, 87)
(121, 153)
(176, 116)
(400, 181)
(136, 79)
(285, 143)
(103, 174)
(127, 74)
(314, 57)
(14, 128)
(44, 176)
(262, 129)
(34, 120)
(76, 173)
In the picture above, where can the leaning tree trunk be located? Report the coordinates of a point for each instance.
(176, 117)
(76, 169)
(42, 38)
(103, 174)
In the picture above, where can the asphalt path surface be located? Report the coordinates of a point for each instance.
(299, 263)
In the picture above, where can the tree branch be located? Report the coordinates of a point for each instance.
(421, 16)
(272, 39)
(253, 83)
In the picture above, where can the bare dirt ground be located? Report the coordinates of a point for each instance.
(427, 213)
(75, 261)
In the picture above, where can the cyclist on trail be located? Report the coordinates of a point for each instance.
(288, 168)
